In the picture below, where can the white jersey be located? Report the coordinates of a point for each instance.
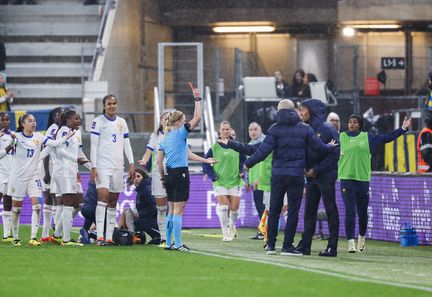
(66, 164)
(51, 133)
(6, 158)
(153, 145)
(111, 137)
(27, 152)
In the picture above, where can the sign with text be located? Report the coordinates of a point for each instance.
(393, 63)
(394, 200)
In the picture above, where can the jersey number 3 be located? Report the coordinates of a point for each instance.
(114, 138)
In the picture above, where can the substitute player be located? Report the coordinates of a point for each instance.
(227, 181)
(109, 139)
(24, 177)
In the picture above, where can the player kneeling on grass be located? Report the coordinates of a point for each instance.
(144, 217)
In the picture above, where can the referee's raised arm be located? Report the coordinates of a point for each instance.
(197, 111)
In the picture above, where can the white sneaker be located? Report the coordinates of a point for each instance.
(226, 236)
(351, 246)
(232, 231)
(361, 245)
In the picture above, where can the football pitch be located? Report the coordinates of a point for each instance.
(213, 268)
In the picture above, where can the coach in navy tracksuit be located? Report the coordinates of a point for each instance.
(321, 173)
(288, 139)
(88, 209)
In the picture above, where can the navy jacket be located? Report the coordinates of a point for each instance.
(145, 202)
(289, 140)
(90, 198)
(324, 165)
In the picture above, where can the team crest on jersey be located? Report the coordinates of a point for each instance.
(319, 134)
(120, 127)
(36, 141)
(13, 190)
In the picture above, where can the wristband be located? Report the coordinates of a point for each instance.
(198, 98)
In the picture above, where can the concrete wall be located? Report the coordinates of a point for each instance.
(373, 46)
(400, 10)
(131, 57)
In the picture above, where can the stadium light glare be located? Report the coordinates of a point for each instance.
(348, 31)
(243, 29)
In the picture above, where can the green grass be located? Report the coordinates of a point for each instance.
(216, 268)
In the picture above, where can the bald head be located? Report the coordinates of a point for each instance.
(285, 104)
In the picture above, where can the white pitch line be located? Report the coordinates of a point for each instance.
(324, 272)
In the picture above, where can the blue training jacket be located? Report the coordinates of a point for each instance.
(324, 165)
(289, 140)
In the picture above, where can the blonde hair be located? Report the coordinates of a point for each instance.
(173, 117)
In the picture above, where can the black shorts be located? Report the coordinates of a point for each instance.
(177, 184)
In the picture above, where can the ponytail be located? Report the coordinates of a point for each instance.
(21, 122)
(173, 117)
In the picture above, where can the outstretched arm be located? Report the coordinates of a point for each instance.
(197, 111)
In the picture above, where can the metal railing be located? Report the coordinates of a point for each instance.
(99, 49)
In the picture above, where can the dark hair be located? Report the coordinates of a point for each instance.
(160, 128)
(105, 99)
(3, 114)
(21, 122)
(359, 119)
(51, 115)
(67, 114)
(302, 73)
(311, 77)
(143, 172)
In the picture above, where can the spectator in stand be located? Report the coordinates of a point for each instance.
(297, 84)
(305, 92)
(282, 86)
(424, 146)
(6, 95)
(334, 120)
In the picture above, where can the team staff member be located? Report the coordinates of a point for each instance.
(256, 135)
(157, 189)
(175, 149)
(24, 177)
(227, 181)
(289, 140)
(424, 146)
(6, 159)
(109, 139)
(354, 172)
(321, 174)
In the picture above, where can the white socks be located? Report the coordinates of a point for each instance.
(100, 219)
(111, 222)
(47, 217)
(15, 218)
(67, 222)
(36, 209)
(161, 220)
(7, 223)
(233, 218)
(222, 212)
(58, 221)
